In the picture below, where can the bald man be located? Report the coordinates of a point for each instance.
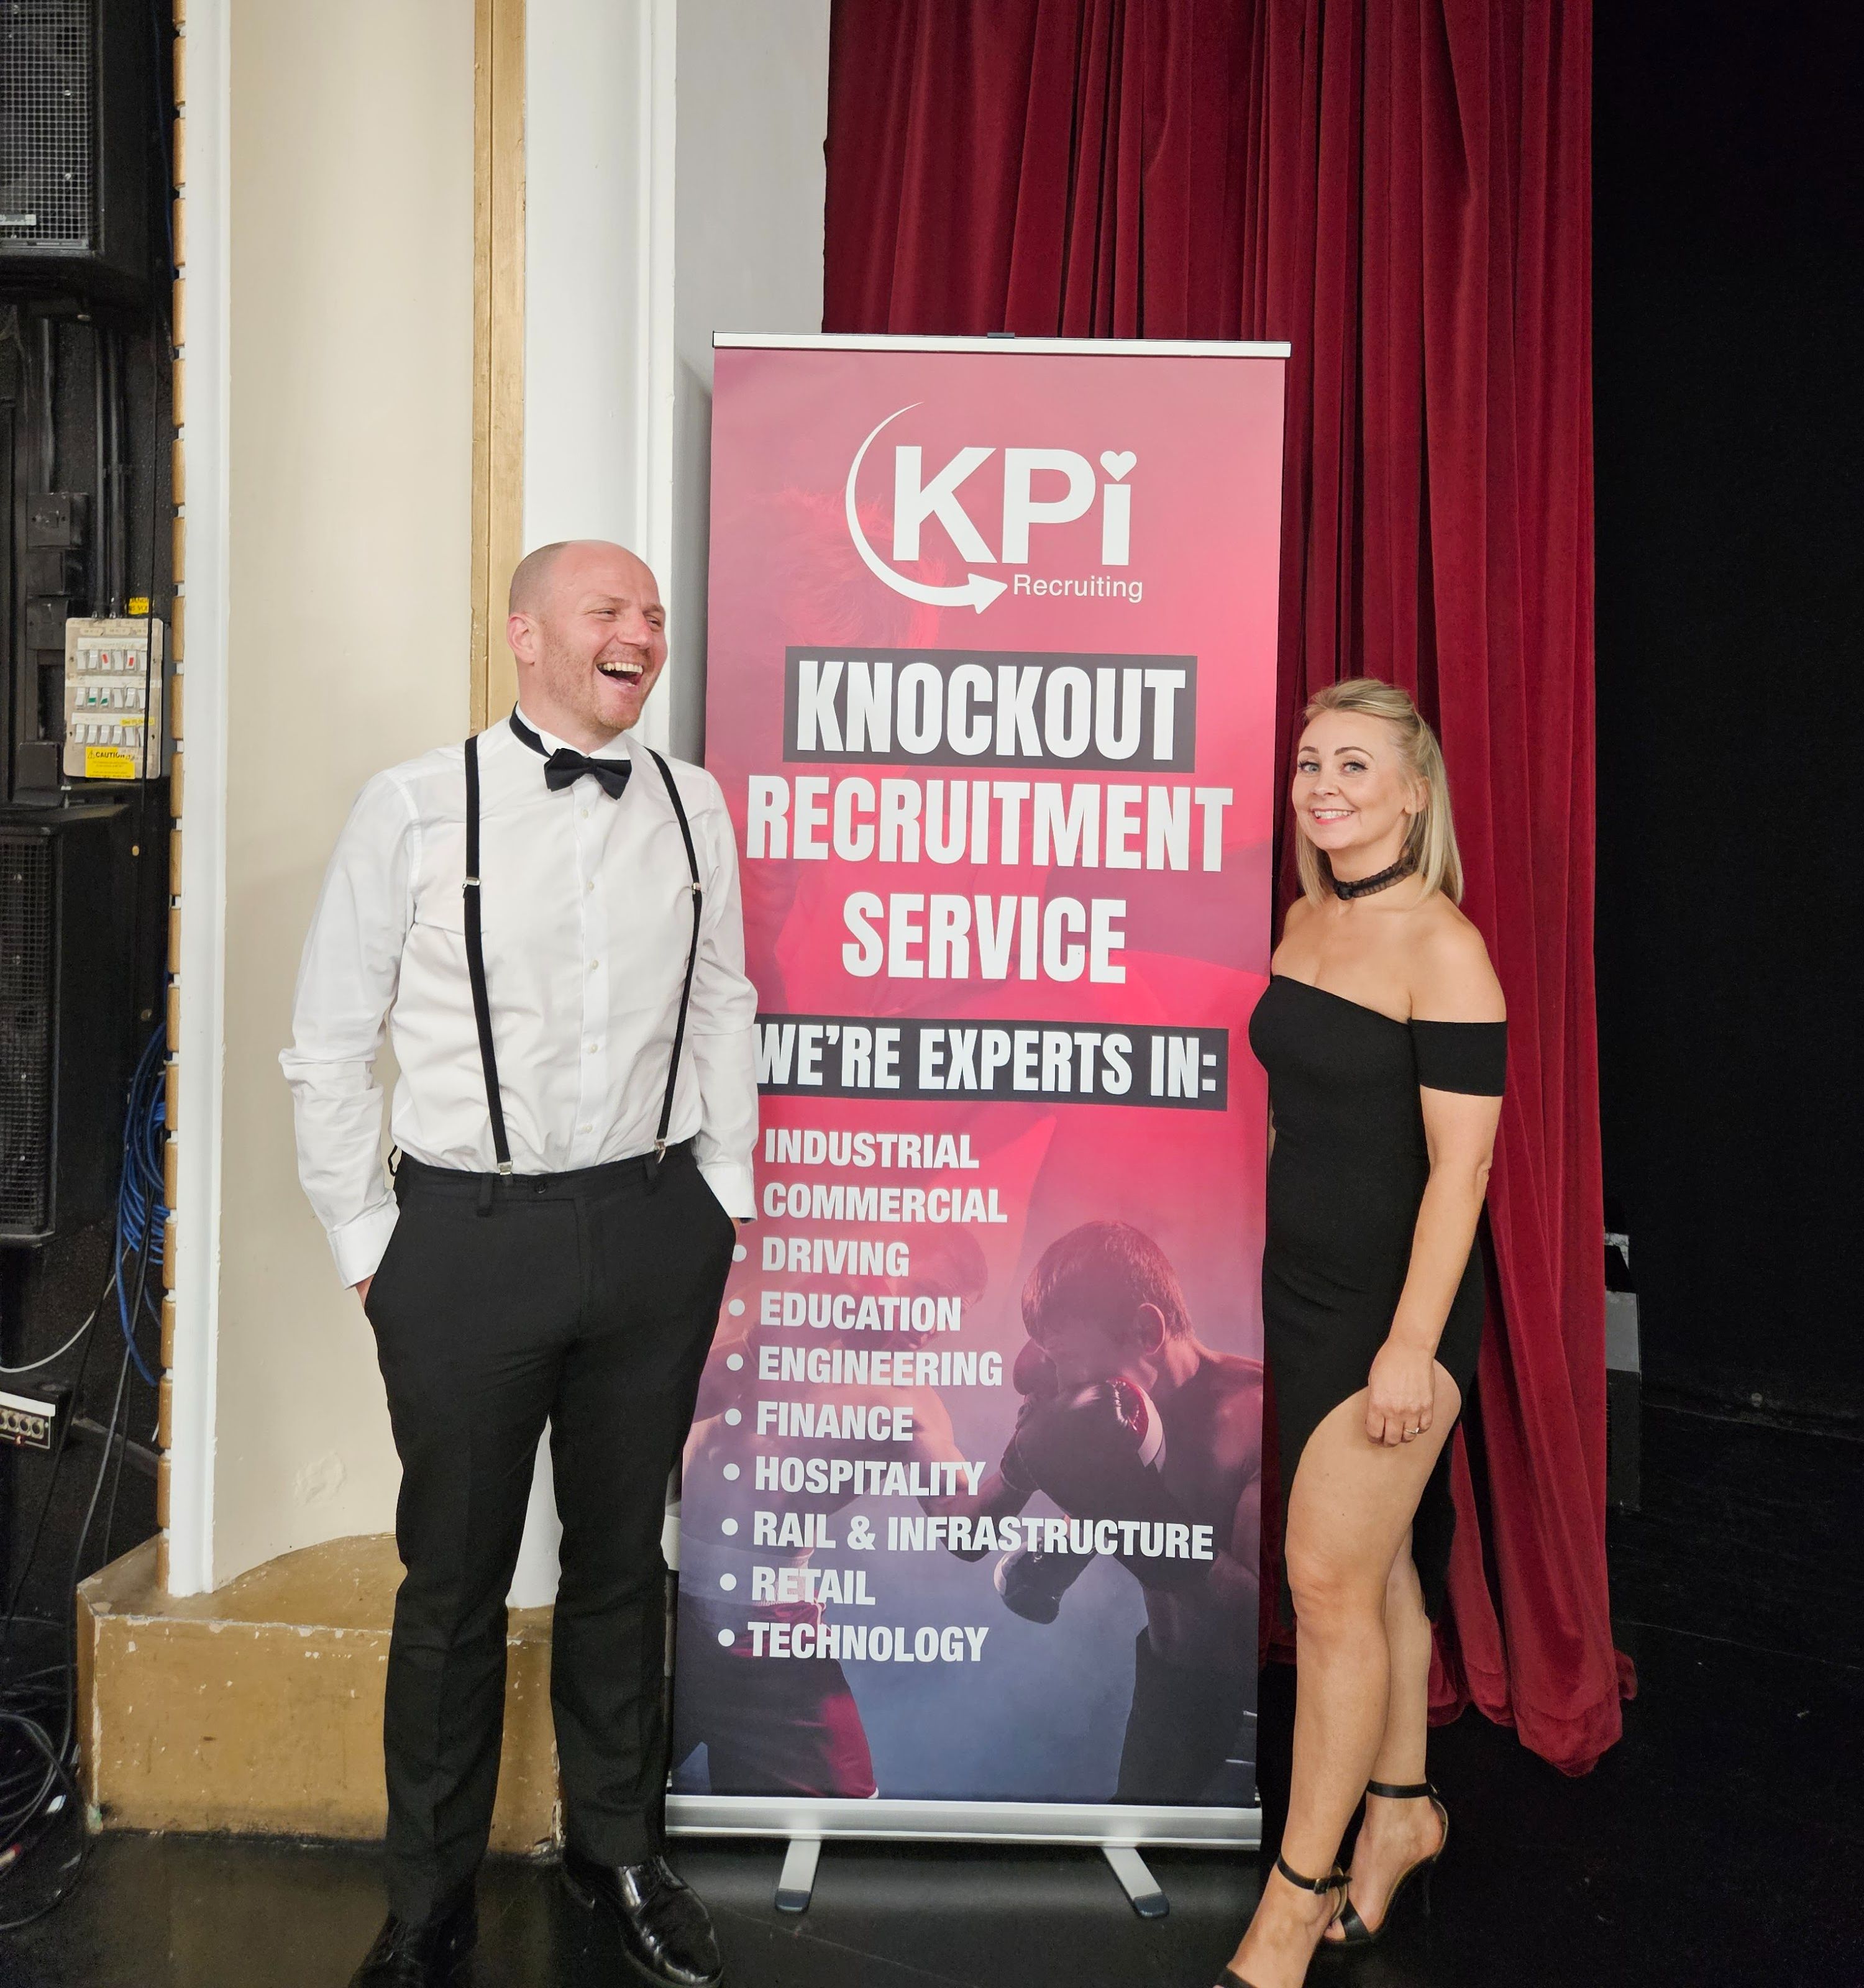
(545, 923)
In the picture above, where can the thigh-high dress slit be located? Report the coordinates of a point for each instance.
(1345, 1182)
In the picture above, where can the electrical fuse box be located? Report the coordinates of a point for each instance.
(115, 709)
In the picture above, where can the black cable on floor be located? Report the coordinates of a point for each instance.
(38, 1783)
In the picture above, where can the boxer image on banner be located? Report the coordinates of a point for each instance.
(1127, 1416)
(794, 1727)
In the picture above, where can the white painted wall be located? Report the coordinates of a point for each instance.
(674, 185)
(593, 102)
(200, 958)
(748, 196)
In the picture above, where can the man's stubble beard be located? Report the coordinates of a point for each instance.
(572, 684)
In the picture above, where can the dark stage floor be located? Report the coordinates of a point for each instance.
(1722, 1843)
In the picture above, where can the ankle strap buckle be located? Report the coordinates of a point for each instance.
(1335, 1880)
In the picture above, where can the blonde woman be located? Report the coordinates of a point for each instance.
(1383, 1033)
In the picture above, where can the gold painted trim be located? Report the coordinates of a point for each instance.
(498, 341)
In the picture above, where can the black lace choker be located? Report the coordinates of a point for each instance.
(1364, 887)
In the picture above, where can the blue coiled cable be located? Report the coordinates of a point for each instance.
(141, 1216)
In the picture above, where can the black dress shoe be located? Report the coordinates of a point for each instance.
(664, 1928)
(431, 1953)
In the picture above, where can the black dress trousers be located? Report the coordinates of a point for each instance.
(586, 1300)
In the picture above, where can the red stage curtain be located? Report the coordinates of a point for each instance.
(1403, 192)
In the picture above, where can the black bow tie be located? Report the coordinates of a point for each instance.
(564, 767)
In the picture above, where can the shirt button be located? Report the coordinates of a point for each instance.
(585, 814)
(589, 1049)
(592, 966)
(586, 1128)
(590, 885)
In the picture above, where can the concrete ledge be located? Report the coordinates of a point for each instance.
(258, 1708)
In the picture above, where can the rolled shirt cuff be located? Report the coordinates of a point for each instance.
(359, 1246)
(732, 1185)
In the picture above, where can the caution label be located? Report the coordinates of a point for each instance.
(109, 762)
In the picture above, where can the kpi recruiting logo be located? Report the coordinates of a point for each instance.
(1026, 505)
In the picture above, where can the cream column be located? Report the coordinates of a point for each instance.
(327, 444)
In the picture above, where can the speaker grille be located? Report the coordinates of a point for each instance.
(47, 111)
(26, 1038)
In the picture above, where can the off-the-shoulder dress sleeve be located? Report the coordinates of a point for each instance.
(1468, 1056)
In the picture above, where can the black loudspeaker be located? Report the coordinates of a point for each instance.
(78, 166)
(67, 905)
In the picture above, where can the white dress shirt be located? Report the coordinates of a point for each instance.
(587, 915)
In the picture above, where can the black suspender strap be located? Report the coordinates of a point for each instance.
(475, 971)
(481, 1004)
(692, 957)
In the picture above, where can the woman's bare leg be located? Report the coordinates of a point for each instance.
(1350, 1509)
(1396, 1834)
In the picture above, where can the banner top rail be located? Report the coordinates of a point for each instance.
(1157, 348)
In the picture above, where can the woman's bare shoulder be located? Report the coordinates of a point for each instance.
(1294, 920)
(1452, 977)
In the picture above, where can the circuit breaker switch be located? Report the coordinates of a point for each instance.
(115, 665)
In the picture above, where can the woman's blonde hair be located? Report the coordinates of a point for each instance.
(1431, 842)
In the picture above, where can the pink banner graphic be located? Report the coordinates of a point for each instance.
(970, 1511)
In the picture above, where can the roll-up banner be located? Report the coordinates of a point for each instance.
(968, 1536)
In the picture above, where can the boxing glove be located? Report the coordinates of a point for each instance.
(1098, 1452)
(1034, 1377)
(1033, 1583)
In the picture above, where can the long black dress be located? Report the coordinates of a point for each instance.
(1345, 1182)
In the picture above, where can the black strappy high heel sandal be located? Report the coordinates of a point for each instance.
(1353, 1931)
(1334, 1881)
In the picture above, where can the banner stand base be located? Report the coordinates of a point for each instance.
(796, 1883)
(1136, 1880)
(1119, 1832)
